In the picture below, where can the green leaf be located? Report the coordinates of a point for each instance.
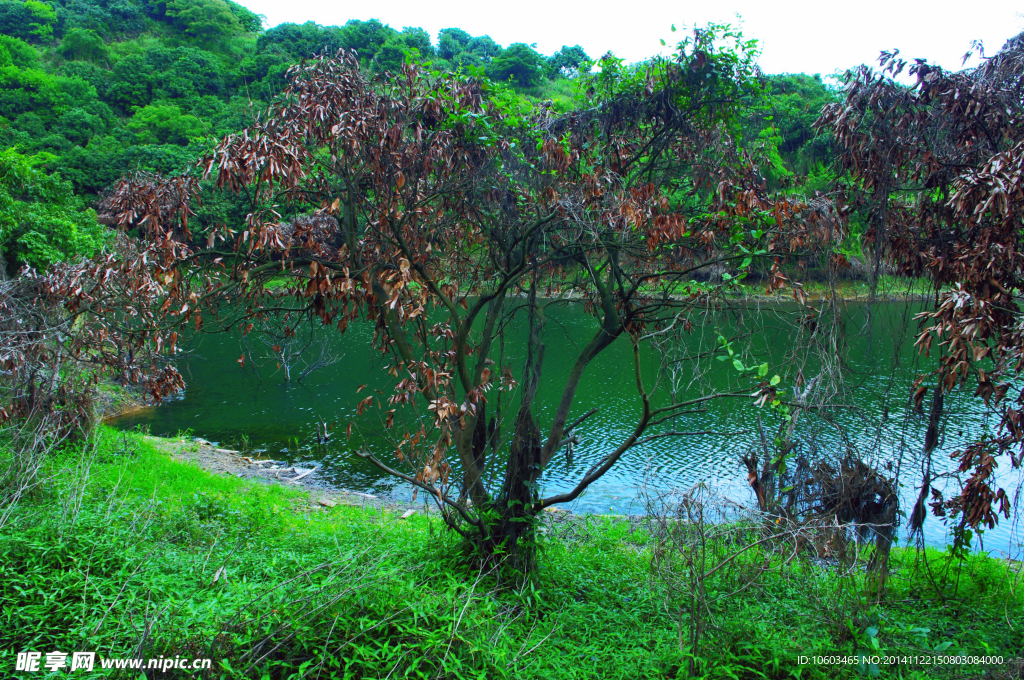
(663, 43)
(762, 370)
(775, 380)
(738, 364)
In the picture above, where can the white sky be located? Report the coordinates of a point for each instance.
(811, 36)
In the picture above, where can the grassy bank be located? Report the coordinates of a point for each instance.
(128, 553)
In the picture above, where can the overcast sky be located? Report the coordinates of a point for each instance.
(811, 36)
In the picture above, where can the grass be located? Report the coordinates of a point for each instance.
(145, 556)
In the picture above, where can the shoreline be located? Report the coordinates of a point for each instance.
(323, 496)
(228, 462)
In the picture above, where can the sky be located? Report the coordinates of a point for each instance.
(808, 36)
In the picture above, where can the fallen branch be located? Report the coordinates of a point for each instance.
(295, 480)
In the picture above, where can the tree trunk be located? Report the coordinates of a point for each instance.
(508, 537)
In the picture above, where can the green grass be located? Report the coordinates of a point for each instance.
(152, 557)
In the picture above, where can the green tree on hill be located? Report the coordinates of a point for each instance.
(451, 41)
(16, 52)
(520, 63)
(568, 62)
(83, 44)
(41, 219)
(16, 20)
(484, 47)
(166, 124)
(210, 21)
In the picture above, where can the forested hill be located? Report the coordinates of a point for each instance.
(91, 89)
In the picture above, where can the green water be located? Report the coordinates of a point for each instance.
(228, 403)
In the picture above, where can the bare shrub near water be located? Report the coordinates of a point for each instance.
(61, 333)
(40, 406)
(296, 352)
(708, 549)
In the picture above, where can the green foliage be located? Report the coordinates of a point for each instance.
(520, 64)
(484, 48)
(459, 50)
(41, 220)
(84, 44)
(451, 41)
(165, 124)
(36, 92)
(417, 39)
(365, 37)
(136, 84)
(292, 41)
(780, 126)
(79, 100)
(568, 62)
(16, 52)
(391, 55)
(16, 20)
(43, 16)
(230, 564)
(28, 20)
(210, 21)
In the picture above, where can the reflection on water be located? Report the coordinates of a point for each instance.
(229, 403)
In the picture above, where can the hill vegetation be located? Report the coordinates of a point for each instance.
(91, 90)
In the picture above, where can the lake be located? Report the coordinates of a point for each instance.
(871, 361)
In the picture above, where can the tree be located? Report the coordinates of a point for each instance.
(16, 20)
(41, 220)
(365, 37)
(131, 83)
(568, 62)
(391, 55)
(17, 52)
(793, 105)
(247, 19)
(451, 41)
(417, 39)
(443, 217)
(410, 44)
(485, 48)
(939, 168)
(43, 18)
(165, 124)
(520, 63)
(83, 44)
(211, 21)
(300, 42)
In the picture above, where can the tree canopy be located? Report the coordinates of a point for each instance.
(425, 204)
(42, 222)
(938, 169)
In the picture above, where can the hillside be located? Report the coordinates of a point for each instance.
(93, 89)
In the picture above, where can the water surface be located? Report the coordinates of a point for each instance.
(238, 406)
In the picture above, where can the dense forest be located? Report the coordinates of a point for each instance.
(93, 90)
(554, 266)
